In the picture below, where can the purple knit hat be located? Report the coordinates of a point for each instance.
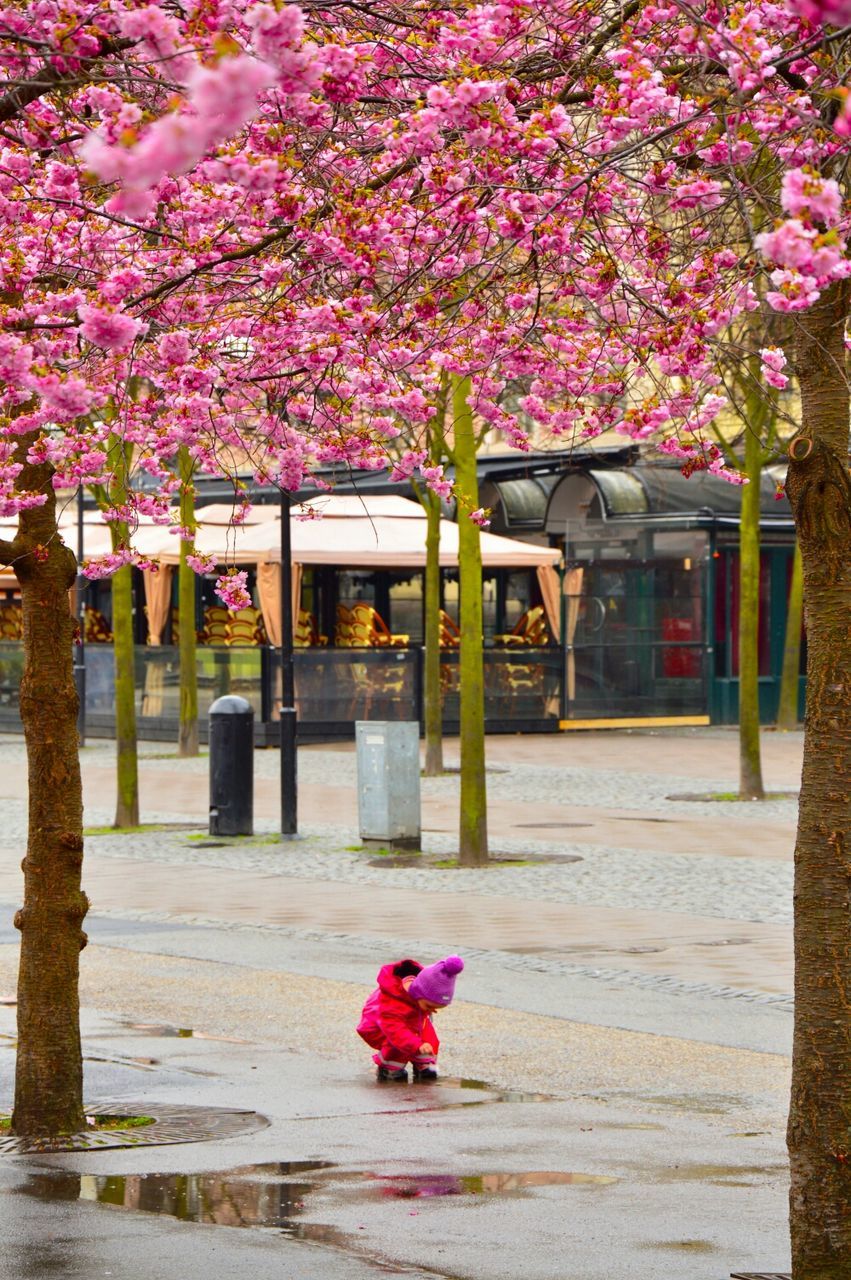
(436, 982)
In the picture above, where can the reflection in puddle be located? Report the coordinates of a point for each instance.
(262, 1195)
(165, 1031)
(273, 1195)
(682, 1246)
(413, 1186)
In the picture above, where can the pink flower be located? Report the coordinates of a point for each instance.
(807, 193)
(173, 348)
(481, 517)
(835, 13)
(232, 589)
(112, 330)
(772, 360)
(201, 563)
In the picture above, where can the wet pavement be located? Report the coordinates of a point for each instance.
(616, 1060)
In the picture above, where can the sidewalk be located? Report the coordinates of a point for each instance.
(641, 988)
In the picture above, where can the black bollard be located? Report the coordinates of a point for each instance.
(231, 767)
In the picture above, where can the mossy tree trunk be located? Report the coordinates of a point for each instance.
(432, 702)
(787, 706)
(124, 649)
(819, 489)
(187, 744)
(49, 1071)
(750, 762)
(473, 836)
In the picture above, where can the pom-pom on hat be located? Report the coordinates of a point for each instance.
(436, 982)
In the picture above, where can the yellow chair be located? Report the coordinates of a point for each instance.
(306, 633)
(245, 627)
(531, 629)
(96, 627)
(11, 622)
(370, 630)
(215, 628)
(450, 633)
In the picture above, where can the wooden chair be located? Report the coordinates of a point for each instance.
(306, 633)
(11, 622)
(96, 627)
(531, 629)
(370, 630)
(450, 632)
(245, 627)
(215, 628)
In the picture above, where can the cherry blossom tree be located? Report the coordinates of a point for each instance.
(335, 209)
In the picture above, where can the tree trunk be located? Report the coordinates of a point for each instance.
(432, 702)
(787, 706)
(49, 1073)
(750, 764)
(187, 744)
(473, 840)
(819, 1138)
(124, 650)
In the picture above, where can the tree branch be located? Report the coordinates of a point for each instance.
(49, 78)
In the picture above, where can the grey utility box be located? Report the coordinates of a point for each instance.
(388, 753)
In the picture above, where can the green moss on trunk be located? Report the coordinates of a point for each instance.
(473, 834)
(432, 702)
(124, 650)
(187, 744)
(750, 763)
(787, 707)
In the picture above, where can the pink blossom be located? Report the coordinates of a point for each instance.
(834, 13)
(807, 193)
(481, 516)
(112, 330)
(232, 589)
(173, 348)
(200, 563)
(772, 361)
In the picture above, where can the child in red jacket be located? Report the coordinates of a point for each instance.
(395, 1019)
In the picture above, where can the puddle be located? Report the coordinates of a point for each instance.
(498, 1095)
(164, 1031)
(396, 860)
(550, 826)
(682, 1246)
(273, 1195)
(416, 1186)
(261, 1195)
(720, 1175)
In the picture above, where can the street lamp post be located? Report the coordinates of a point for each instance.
(289, 791)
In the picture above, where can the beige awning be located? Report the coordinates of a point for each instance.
(382, 531)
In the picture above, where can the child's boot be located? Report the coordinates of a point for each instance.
(389, 1073)
(424, 1070)
(389, 1070)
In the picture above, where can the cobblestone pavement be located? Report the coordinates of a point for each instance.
(740, 891)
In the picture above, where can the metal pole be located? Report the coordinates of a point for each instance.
(80, 647)
(289, 790)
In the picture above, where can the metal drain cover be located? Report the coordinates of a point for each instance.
(171, 1124)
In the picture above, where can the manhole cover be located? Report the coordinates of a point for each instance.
(171, 1124)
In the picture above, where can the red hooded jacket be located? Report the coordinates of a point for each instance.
(391, 1017)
